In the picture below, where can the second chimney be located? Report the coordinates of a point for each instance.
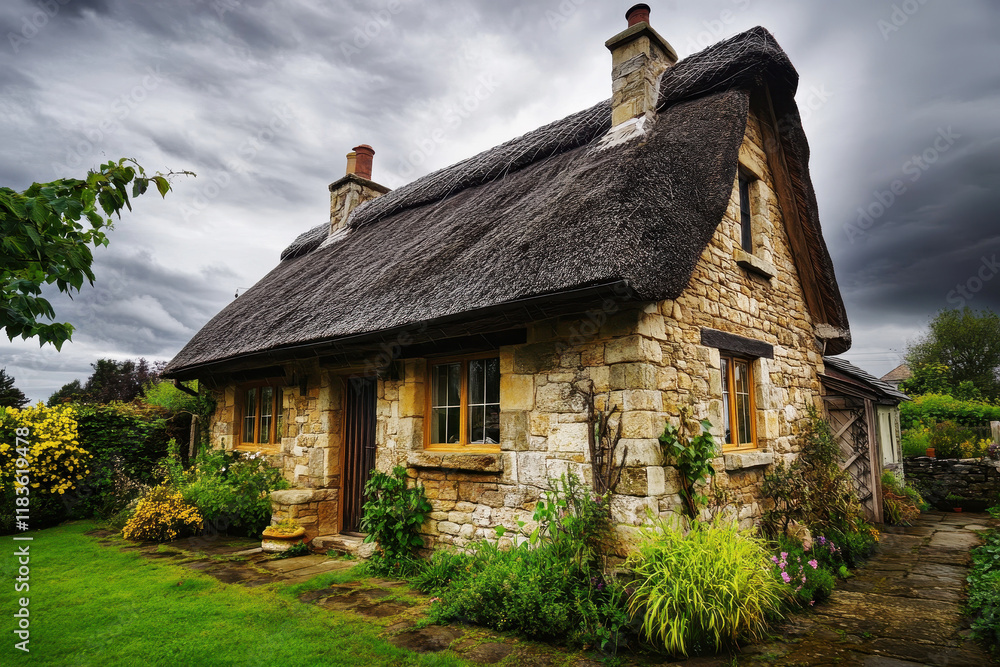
(638, 56)
(356, 187)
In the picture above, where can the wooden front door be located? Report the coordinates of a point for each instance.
(359, 449)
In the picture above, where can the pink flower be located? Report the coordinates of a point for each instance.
(774, 559)
(814, 563)
(786, 578)
(812, 602)
(784, 555)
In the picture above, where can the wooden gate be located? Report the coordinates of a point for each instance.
(359, 449)
(852, 420)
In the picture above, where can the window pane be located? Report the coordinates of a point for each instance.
(477, 381)
(484, 401)
(493, 380)
(266, 414)
(746, 238)
(726, 416)
(446, 379)
(477, 419)
(249, 414)
(280, 407)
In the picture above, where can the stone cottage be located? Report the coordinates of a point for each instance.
(658, 251)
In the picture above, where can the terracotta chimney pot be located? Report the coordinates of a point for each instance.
(363, 167)
(637, 14)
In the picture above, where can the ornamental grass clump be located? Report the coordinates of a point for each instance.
(162, 515)
(704, 589)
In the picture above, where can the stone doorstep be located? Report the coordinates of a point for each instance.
(351, 544)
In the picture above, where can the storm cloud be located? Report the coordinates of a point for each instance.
(262, 101)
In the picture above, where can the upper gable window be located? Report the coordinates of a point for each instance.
(464, 403)
(746, 228)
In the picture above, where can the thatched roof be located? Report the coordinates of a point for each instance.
(885, 391)
(539, 216)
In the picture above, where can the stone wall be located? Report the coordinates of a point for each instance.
(975, 481)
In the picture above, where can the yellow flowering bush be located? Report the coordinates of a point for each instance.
(56, 461)
(162, 515)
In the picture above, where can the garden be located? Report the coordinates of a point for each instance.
(696, 583)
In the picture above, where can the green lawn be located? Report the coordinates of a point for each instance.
(96, 605)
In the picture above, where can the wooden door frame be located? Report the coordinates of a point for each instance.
(345, 381)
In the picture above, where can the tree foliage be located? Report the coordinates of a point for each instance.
(68, 393)
(45, 237)
(967, 343)
(122, 381)
(10, 396)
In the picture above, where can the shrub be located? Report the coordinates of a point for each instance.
(952, 440)
(44, 442)
(816, 491)
(392, 518)
(550, 586)
(916, 440)
(231, 490)
(933, 408)
(161, 515)
(901, 503)
(127, 441)
(704, 589)
(984, 590)
(804, 578)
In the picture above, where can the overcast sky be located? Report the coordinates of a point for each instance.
(900, 100)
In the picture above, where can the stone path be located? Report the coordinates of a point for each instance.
(903, 608)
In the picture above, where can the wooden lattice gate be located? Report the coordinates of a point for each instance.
(852, 420)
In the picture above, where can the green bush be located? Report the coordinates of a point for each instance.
(392, 518)
(901, 503)
(934, 408)
(984, 589)
(814, 490)
(805, 577)
(232, 490)
(705, 589)
(915, 441)
(550, 586)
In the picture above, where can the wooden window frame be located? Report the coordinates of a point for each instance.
(274, 437)
(729, 387)
(462, 446)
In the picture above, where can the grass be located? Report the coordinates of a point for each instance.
(96, 605)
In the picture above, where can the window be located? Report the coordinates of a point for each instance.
(746, 230)
(738, 403)
(261, 415)
(464, 403)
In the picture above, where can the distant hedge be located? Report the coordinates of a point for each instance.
(933, 408)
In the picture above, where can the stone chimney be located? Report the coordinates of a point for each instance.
(638, 56)
(356, 187)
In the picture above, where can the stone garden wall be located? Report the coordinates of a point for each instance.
(976, 482)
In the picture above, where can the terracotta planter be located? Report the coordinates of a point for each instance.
(930, 452)
(957, 509)
(270, 532)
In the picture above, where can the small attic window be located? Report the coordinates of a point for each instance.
(746, 229)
